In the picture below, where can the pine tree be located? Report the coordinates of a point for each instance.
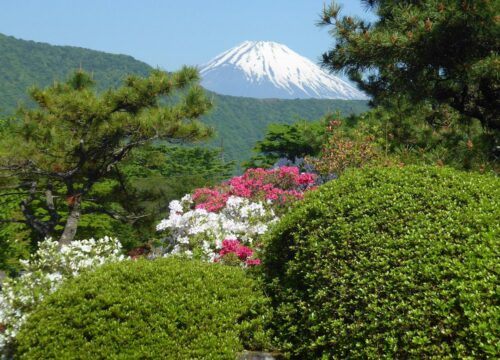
(284, 141)
(436, 51)
(55, 154)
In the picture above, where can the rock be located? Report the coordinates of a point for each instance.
(257, 355)
(3, 275)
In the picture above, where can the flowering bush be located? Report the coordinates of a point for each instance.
(43, 274)
(280, 186)
(234, 252)
(209, 223)
(200, 233)
(307, 165)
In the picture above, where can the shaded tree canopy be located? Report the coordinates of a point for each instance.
(440, 51)
(288, 141)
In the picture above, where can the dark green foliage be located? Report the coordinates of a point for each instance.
(162, 309)
(390, 263)
(422, 134)
(438, 51)
(300, 139)
(14, 236)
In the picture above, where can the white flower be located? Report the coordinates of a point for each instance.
(187, 199)
(54, 277)
(183, 240)
(240, 219)
(86, 248)
(164, 224)
(176, 250)
(43, 274)
(175, 206)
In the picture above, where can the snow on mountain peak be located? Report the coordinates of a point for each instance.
(266, 69)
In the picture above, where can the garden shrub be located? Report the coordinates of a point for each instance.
(169, 308)
(240, 209)
(389, 263)
(42, 274)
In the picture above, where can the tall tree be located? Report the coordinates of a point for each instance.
(56, 153)
(437, 51)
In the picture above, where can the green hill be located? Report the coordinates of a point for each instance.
(239, 122)
(27, 63)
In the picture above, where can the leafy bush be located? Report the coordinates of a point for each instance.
(42, 274)
(389, 263)
(164, 309)
(339, 152)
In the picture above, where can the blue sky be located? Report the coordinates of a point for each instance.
(170, 33)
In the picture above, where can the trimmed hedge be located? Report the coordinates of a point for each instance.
(390, 263)
(162, 309)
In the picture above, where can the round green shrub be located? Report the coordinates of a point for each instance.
(390, 263)
(163, 309)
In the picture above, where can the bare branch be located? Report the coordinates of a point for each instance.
(115, 215)
(6, 221)
(31, 219)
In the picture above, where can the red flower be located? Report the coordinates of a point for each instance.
(241, 251)
(253, 262)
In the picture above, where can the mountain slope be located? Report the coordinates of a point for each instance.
(239, 122)
(265, 69)
(27, 63)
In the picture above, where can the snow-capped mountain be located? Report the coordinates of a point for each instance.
(265, 69)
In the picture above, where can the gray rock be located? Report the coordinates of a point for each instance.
(257, 355)
(3, 275)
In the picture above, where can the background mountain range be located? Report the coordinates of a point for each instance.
(239, 121)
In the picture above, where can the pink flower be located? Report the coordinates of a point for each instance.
(252, 262)
(209, 199)
(229, 246)
(306, 179)
(241, 251)
(280, 185)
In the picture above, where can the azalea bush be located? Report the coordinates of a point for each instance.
(224, 223)
(43, 273)
(279, 186)
(200, 233)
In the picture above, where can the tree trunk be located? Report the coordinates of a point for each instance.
(51, 208)
(71, 223)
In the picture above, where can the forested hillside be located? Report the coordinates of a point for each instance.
(27, 63)
(239, 122)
